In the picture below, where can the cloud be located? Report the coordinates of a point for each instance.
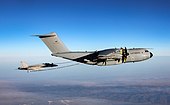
(10, 95)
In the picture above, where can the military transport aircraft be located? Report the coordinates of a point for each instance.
(104, 57)
(38, 67)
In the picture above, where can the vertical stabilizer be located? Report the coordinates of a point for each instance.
(24, 65)
(53, 42)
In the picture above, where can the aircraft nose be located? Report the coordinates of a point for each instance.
(151, 55)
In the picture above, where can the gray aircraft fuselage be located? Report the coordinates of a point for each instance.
(107, 57)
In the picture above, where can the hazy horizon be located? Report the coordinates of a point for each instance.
(145, 69)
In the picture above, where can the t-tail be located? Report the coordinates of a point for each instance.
(58, 48)
(53, 42)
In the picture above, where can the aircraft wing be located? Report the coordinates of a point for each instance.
(97, 55)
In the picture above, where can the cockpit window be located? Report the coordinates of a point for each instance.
(146, 51)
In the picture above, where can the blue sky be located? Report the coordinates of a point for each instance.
(84, 25)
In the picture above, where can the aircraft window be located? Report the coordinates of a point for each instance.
(146, 51)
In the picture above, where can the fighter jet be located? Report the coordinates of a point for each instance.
(104, 57)
(38, 67)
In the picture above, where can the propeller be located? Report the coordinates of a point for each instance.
(124, 55)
